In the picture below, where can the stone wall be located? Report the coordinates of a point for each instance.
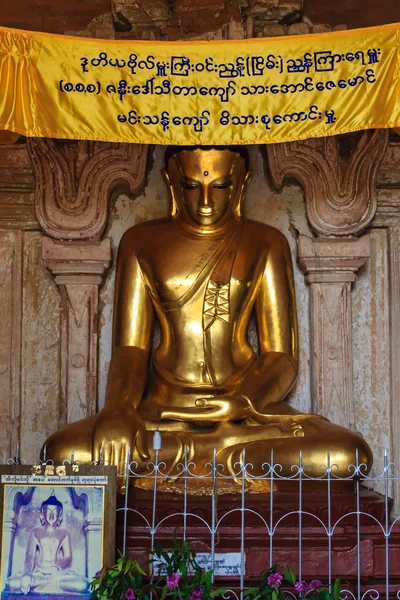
(30, 399)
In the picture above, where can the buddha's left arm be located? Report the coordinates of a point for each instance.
(273, 374)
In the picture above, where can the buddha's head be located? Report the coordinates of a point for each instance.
(207, 184)
(51, 512)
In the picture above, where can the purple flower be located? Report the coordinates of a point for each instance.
(130, 594)
(100, 573)
(173, 581)
(196, 593)
(275, 579)
(301, 587)
(315, 584)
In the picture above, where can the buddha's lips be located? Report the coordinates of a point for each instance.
(208, 213)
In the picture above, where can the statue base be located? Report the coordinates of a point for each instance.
(286, 521)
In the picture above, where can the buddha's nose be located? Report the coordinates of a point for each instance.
(205, 205)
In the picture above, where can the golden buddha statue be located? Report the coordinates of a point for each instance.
(202, 272)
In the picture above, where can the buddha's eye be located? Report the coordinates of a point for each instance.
(189, 186)
(222, 186)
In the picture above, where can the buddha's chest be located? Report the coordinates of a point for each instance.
(201, 270)
(49, 545)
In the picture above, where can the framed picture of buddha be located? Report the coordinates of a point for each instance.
(57, 530)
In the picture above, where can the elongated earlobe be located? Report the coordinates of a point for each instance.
(173, 210)
(246, 181)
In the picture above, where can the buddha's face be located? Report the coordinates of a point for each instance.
(52, 515)
(207, 184)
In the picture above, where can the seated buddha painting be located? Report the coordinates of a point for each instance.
(45, 546)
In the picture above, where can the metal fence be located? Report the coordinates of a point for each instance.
(323, 527)
(372, 535)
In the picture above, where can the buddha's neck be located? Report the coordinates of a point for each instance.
(219, 230)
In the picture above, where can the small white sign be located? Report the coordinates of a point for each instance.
(60, 479)
(226, 564)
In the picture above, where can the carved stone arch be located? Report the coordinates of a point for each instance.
(74, 182)
(338, 175)
(15, 499)
(87, 499)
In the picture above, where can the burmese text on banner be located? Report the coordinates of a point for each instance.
(222, 92)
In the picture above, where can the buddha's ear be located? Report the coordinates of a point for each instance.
(246, 181)
(173, 204)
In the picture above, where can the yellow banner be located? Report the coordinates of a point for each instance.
(221, 92)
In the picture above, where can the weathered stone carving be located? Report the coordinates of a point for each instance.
(74, 181)
(78, 269)
(330, 267)
(41, 407)
(338, 175)
(29, 313)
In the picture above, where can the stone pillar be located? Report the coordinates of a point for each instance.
(74, 184)
(330, 267)
(78, 269)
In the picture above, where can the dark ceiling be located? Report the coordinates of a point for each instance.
(354, 13)
(61, 15)
(53, 16)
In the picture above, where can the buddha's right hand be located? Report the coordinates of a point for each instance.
(26, 582)
(115, 431)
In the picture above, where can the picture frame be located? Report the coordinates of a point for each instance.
(58, 529)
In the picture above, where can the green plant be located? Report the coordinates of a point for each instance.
(122, 581)
(270, 587)
(184, 579)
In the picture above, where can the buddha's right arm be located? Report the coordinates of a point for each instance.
(132, 331)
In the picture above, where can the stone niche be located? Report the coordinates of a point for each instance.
(57, 273)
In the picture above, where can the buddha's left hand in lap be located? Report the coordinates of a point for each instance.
(229, 408)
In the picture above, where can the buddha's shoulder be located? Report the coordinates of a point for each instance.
(265, 234)
(136, 235)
